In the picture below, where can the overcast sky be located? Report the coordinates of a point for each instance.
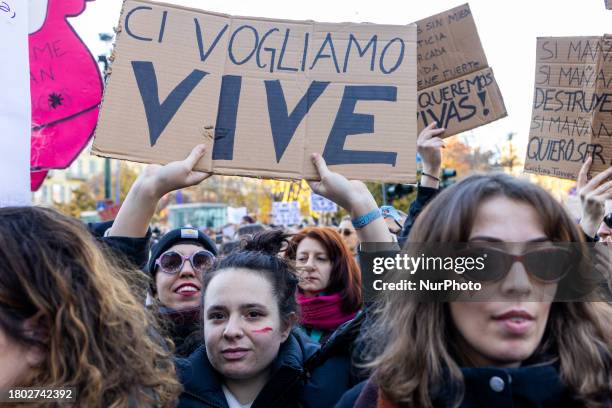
(507, 29)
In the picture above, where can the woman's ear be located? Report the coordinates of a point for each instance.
(34, 328)
(290, 321)
(34, 356)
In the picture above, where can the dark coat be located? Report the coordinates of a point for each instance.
(342, 343)
(424, 196)
(325, 334)
(184, 328)
(135, 250)
(537, 386)
(292, 384)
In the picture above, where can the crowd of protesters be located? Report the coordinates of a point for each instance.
(279, 318)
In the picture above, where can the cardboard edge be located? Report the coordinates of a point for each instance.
(548, 175)
(265, 19)
(270, 175)
(181, 7)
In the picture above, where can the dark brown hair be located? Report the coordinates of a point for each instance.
(345, 277)
(260, 255)
(93, 332)
(579, 334)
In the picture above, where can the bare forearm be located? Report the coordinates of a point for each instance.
(428, 174)
(136, 212)
(375, 231)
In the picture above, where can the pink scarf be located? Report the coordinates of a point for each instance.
(322, 312)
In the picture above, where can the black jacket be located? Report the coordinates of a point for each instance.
(292, 383)
(342, 344)
(136, 250)
(424, 195)
(536, 386)
(183, 327)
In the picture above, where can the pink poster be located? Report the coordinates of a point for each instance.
(37, 178)
(66, 88)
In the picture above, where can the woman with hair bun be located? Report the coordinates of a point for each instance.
(251, 355)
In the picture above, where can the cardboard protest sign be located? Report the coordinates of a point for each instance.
(66, 87)
(456, 86)
(321, 204)
(274, 91)
(14, 105)
(572, 106)
(286, 213)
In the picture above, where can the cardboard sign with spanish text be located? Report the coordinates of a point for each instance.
(272, 91)
(572, 106)
(456, 86)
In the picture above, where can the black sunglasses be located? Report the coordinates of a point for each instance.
(547, 265)
(608, 220)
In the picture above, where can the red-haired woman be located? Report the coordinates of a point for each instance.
(330, 281)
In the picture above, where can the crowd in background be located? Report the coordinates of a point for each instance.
(277, 317)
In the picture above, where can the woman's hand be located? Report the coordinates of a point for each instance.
(429, 146)
(159, 180)
(153, 183)
(593, 195)
(353, 196)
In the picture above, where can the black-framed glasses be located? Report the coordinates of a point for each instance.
(608, 220)
(172, 262)
(547, 265)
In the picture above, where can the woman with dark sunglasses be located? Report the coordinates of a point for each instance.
(604, 233)
(180, 258)
(514, 347)
(177, 265)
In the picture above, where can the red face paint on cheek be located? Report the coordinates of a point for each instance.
(263, 331)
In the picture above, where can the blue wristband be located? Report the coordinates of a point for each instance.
(363, 220)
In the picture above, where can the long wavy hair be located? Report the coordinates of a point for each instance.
(345, 277)
(92, 331)
(413, 347)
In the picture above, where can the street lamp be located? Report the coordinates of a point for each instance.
(103, 59)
